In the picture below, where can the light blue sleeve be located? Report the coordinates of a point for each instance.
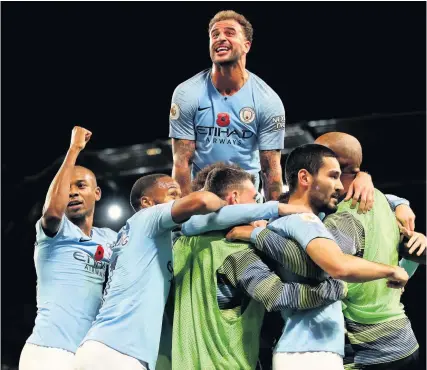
(395, 201)
(409, 266)
(302, 227)
(43, 240)
(229, 216)
(271, 130)
(157, 219)
(182, 113)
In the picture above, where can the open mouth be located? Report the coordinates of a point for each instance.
(222, 49)
(74, 204)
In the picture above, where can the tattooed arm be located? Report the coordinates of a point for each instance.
(183, 152)
(271, 173)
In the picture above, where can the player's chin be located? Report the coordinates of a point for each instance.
(75, 214)
(224, 59)
(333, 205)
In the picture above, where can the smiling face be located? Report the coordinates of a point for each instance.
(84, 193)
(227, 42)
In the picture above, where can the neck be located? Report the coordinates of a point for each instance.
(228, 79)
(85, 224)
(301, 198)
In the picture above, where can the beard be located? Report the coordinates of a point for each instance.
(232, 60)
(321, 201)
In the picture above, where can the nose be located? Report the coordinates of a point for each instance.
(221, 37)
(73, 191)
(339, 186)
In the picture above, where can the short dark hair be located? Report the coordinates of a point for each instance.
(220, 180)
(141, 187)
(308, 157)
(200, 179)
(225, 15)
(284, 197)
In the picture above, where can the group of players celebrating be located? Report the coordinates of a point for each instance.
(192, 273)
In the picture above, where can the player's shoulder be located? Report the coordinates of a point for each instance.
(106, 232)
(198, 81)
(147, 214)
(307, 217)
(303, 218)
(260, 86)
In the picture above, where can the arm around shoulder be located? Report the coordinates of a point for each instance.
(197, 203)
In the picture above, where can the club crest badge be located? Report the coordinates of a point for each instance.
(247, 115)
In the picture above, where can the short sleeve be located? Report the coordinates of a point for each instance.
(41, 237)
(157, 219)
(302, 227)
(271, 132)
(182, 113)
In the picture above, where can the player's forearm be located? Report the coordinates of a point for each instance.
(273, 186)
(229, 216)
(197, 203)
(284, 251)
(267, 288)
(358, 270)
(181, 172)
(57, 197)
(305, 297)
(271, 173)
(183, 152)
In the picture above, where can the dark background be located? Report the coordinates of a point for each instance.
(112, 68)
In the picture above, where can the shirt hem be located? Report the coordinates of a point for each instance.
(46, 346)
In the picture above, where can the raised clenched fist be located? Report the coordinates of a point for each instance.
(79, 137)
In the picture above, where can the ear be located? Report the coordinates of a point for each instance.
(229, 198)
(146, 202)
(234, 197)
(304, 178)
(97, 193)
(247, 46)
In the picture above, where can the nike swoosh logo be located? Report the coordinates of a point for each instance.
(84, 240)
(200, 109)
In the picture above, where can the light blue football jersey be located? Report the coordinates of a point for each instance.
(230, 129)
(319, 329)
(70, 271)
(130, 319)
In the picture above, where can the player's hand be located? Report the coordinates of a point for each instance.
(240, 233)
(259, 223)
(288, 209)
(405, 217)
(79, 137)
(417, 241)
(398, 279)
(361, 189)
